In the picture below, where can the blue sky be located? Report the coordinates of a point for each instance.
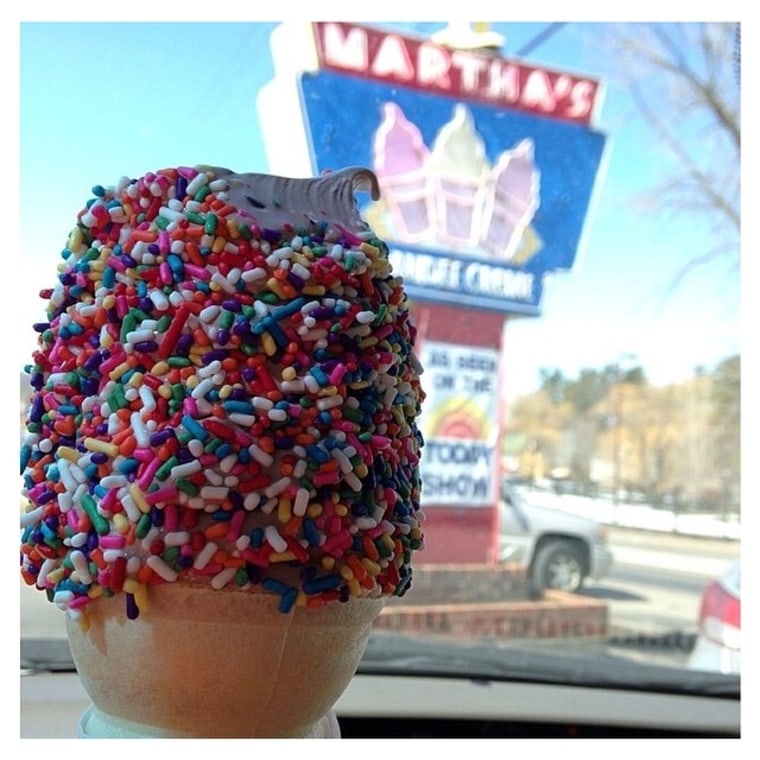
(102, 100)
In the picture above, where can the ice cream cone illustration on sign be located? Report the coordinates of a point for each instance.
(400, 162)
(513, 201)
(460, 168)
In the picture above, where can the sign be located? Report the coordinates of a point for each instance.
(486, 166)
(459, 424)
(402, 61)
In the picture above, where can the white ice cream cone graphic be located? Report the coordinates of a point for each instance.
(460, 170)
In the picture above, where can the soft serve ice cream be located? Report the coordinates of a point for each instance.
(224, 394)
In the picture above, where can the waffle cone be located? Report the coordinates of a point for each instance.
(208, 663)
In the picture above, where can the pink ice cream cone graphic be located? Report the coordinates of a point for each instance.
(513, 201)
(400, 161)
(460, 170)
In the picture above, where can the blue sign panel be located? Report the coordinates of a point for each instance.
(478, 202)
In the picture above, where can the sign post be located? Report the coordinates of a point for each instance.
(487, 168)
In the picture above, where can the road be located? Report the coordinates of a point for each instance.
(653, 590)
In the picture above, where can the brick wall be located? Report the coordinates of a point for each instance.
(468, 601)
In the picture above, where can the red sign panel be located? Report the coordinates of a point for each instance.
(420, 64)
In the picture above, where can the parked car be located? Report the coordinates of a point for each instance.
(560, 550)
(718, 644)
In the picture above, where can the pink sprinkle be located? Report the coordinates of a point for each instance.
(199, 272)
(165, 493)
(171, 517)
(116, 264)
(236, 525)
(111, 541)
(143, 455)
(109, 499)
(146, 477)
(164, 242)
(113, 361)
(122, 306)
(337, 374)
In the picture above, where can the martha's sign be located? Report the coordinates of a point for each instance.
(465, 74)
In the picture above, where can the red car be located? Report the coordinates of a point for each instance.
(718, 644)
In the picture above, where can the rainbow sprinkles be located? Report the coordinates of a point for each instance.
(224, 392)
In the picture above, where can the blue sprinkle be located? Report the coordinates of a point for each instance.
(318, 585)
(192, 427)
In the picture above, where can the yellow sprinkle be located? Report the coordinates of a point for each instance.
(109, 301)
(218, 244)
(361, 470)
(274, 285)
(76, 240)
(121, 522)
(136, 380)
(93, 444)
(95, 592)
(354, 587)
(232, 228)
(328, 563)
(341, 510)
(192, 381)
(289, 373)
(314, 290)
(284, 509)
(139, 498)
(346, 573)
(372, 567)
(225, 391)
(118, 370)
(371, 250)
(165, 391)
(69, 454)
(314, 510)
(55, 575)
(328, 390)
(286, 556)
(140, 591)
(268, 344)
(196, 354)
(160, 368)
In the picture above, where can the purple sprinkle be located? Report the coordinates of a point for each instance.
(230, 304)
(295, 280)
(211, 356)
(133, 611)
(162, 436)
(146, 346)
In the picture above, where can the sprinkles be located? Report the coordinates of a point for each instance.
(224, 392)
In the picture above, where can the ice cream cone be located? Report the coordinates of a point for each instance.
(400, 162)
(221, 467)
(513, 201)
(460, 168)
(204, 663)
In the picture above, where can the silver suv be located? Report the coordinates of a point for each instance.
(558, 549)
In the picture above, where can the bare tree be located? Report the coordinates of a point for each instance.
(693, 70)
